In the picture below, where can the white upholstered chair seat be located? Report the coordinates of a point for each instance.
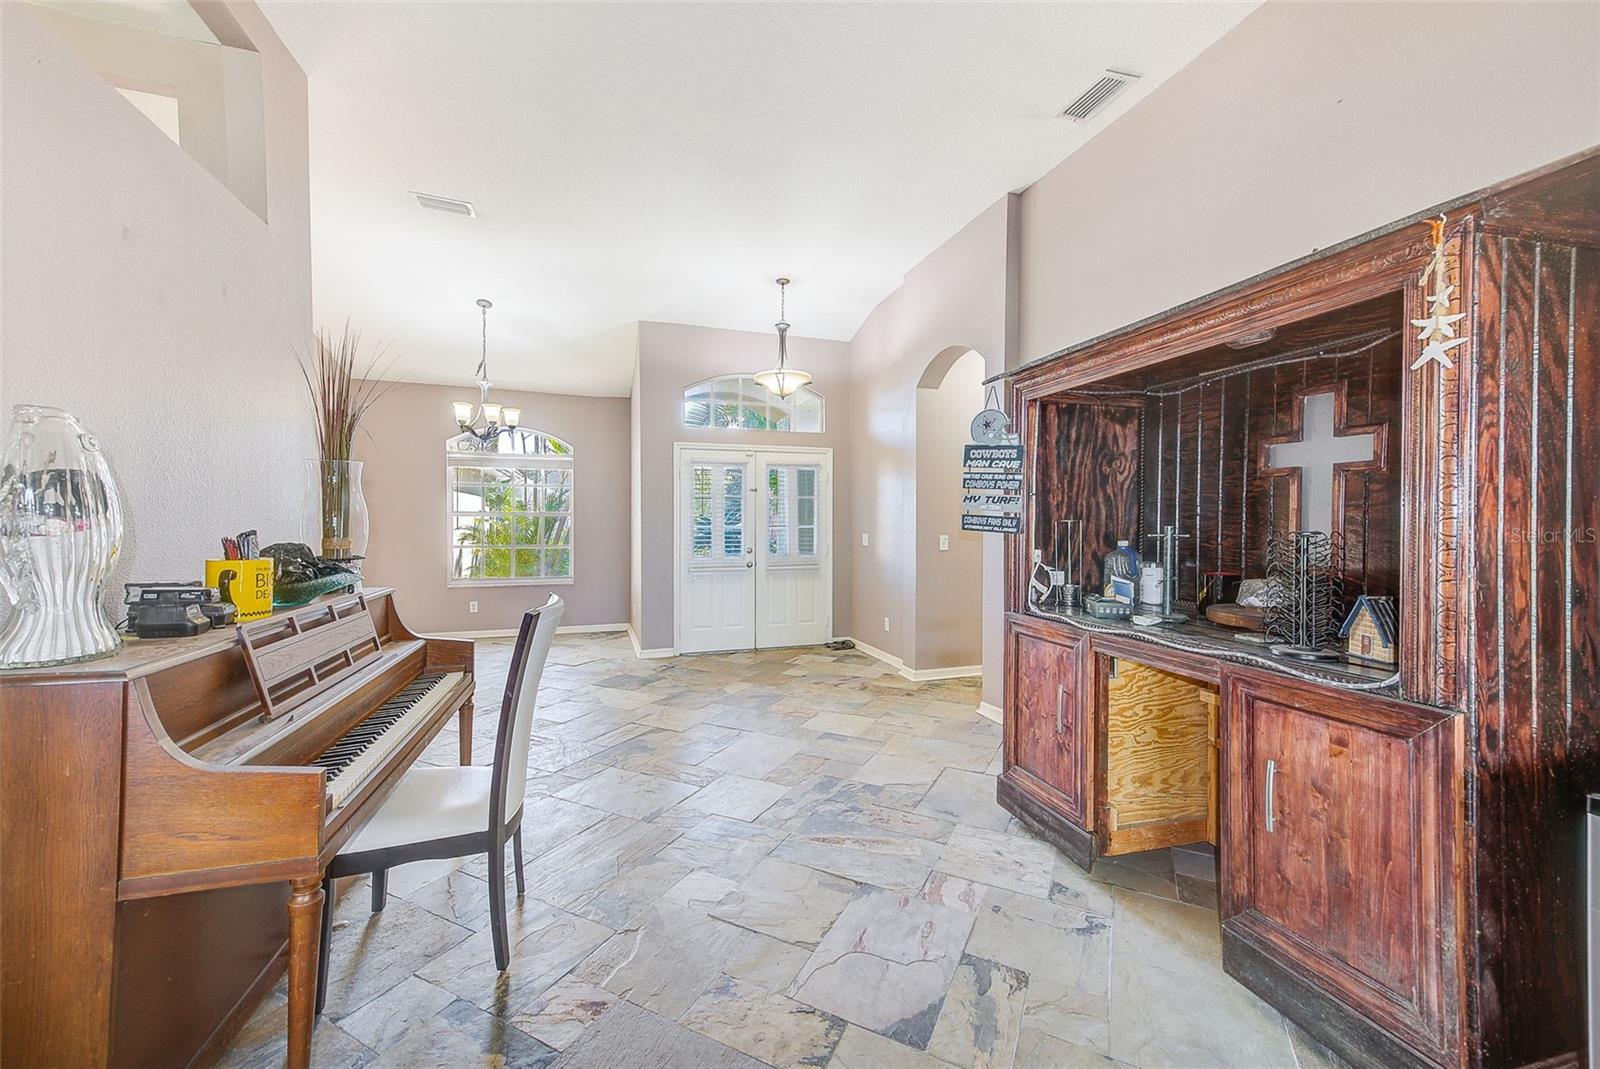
(427, 804)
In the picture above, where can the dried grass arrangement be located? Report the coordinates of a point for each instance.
(343, 386)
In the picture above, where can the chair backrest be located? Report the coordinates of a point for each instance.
(516, 709)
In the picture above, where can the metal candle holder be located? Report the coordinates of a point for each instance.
(1071, 591)
(1167, 542)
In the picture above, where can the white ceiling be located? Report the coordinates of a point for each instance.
(665, 161)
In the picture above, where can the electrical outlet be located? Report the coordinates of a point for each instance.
(1038, 556)
(886, 625)
(944, 543)
(472, 606)
(864, 539)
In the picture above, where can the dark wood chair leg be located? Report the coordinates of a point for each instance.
(497, 904)
(324, 943)
(305, 906)
(516, 854)
(380, 890)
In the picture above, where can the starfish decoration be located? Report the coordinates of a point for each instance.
(1438, 329)
(1438, 324)
(1437, 349)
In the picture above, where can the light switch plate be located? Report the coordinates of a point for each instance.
(864, 539)
(944, 543)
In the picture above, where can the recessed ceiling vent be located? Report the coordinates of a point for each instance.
(444, 204)
(1097, 96)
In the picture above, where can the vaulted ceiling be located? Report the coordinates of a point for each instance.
(665, 161)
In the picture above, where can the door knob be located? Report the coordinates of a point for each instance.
(749, 564)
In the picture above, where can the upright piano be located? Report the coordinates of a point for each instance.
(166, 814)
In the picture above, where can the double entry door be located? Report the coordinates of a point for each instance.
(754, 548)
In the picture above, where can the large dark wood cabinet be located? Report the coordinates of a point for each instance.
(1401, 852)
(1340, 843)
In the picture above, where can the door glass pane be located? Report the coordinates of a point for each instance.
(733, 511)
(700, 521)
(778, 517)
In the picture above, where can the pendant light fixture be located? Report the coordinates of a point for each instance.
(783, 380)
(488, 419)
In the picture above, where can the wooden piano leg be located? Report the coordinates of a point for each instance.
(466, 733)
(305, 931)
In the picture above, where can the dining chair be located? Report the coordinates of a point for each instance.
(457, 811)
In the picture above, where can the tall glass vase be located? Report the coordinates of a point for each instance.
(60, 530)
(334, 519)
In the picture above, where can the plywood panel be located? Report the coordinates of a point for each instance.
(1160, 730)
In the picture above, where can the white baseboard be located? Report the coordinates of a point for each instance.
(990, 712)
(928, 675)
(644, 654)
(511, 632)
(916, 675)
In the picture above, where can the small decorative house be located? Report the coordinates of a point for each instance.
(1370, 632)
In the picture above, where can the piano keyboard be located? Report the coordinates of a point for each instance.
(366, 746)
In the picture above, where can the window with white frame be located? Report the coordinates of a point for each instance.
(510, 505)
(740, 402)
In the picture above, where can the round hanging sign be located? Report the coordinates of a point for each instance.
(991, 427)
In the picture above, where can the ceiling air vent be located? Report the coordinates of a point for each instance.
(1098, 95)
(444, 204)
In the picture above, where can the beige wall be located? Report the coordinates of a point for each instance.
(1304, 126)
(961, 297)
(949, 581)
(142, 295)
(404, 480)
(672, 356)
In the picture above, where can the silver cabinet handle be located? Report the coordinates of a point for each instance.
(1272, 781)
(1061, 702)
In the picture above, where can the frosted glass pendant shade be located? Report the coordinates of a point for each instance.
(782, 381)
(463, 411)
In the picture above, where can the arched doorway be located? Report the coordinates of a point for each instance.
(949, 561)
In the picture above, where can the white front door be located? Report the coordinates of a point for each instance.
(717, 579)
(793, 590)
(754, 548)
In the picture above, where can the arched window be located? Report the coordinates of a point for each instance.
(740, 402)
(510, 504)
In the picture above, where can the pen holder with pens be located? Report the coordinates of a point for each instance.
(246, 583)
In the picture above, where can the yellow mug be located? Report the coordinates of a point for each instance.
(246, 583)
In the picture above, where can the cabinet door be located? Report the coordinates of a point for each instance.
(1339, 847)
(1046, 720)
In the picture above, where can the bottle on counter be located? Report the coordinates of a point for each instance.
(1121, 570)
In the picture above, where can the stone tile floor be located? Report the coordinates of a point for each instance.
(786, 858)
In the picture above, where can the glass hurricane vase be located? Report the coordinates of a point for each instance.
(334, 518)
(60, 531)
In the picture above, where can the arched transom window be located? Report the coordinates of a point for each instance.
(510, 504)
(740, 402)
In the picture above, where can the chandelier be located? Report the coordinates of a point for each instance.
(783, 380)
(487, 420)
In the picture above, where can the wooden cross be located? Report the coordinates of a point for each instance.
(1318, 456)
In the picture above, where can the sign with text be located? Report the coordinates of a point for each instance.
(993, 482)
(986, 502)
(1006, 458)
(991, 488)
(992, 522)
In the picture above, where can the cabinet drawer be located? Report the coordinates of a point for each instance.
(1341, 832)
